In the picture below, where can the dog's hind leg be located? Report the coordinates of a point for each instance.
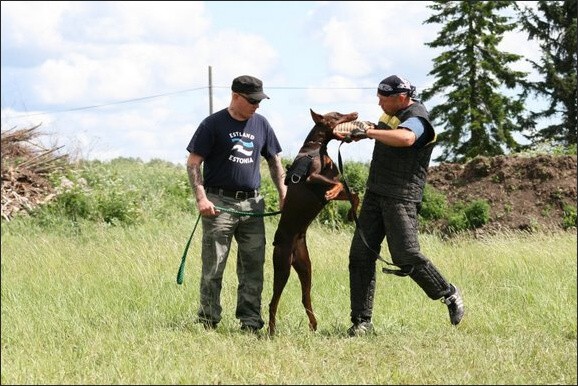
(281, 270)
(302, 264)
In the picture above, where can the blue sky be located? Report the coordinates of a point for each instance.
(130, 79)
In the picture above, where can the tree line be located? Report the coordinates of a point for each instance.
(472, 74)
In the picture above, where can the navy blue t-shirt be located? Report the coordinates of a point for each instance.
(231, 150)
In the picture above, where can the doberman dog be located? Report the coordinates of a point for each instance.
(307, 194)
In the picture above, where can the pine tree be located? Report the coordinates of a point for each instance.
(556, 32)
(476, 118)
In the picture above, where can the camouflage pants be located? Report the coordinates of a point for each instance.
(218, 233)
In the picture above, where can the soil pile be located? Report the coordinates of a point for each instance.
(524, 193)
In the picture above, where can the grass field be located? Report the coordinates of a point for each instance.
(103, 307)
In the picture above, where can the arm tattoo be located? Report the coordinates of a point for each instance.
(276, 171)
(195, 177)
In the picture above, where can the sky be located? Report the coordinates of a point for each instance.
(134, 79)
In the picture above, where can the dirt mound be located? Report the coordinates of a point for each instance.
(524, 193)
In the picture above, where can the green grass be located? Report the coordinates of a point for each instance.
(102, 307)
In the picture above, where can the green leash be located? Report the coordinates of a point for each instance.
(181, 272)
(247, 213)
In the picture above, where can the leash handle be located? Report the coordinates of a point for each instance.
(181, 272)
(397, 272)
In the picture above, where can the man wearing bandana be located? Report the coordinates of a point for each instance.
(404, 140)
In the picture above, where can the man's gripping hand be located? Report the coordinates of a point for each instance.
(360, 131)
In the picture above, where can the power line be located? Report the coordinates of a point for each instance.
(112, 103)
(181, 92)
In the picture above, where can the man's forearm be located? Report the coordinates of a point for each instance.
(196, 181)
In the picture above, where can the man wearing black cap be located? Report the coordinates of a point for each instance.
(404, 139)
(229, 144)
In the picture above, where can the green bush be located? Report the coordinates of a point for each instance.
(334, 215)
(569, 219)
(73, 203)
(477, 213)
(128, 191)
(92, 192)
(468, 216)
(269, 192)
(457, 222)
(434, 204)
(355, 175)
(123, 191)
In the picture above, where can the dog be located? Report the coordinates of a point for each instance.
(312, 181)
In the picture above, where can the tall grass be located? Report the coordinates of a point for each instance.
(101, 306)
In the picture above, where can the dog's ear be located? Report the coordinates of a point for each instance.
(316, 117)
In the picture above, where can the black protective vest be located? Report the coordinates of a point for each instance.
(400, 172)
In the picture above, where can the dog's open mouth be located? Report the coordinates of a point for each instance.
(345, 128)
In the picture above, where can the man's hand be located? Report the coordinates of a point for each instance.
(359, 132)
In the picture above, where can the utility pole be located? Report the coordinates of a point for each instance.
(210, 90)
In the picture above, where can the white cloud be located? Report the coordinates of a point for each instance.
(33, 26)
(59, 56)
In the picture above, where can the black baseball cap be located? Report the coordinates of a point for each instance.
(394, 84)
(249, 86)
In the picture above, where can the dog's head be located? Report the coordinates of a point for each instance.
(330, 120)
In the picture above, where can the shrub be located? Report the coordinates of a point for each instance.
(94, 193)
(457, 222)
(434, 204)
(569, 219)
(477, 213)
(468, 216)
(355, 175)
